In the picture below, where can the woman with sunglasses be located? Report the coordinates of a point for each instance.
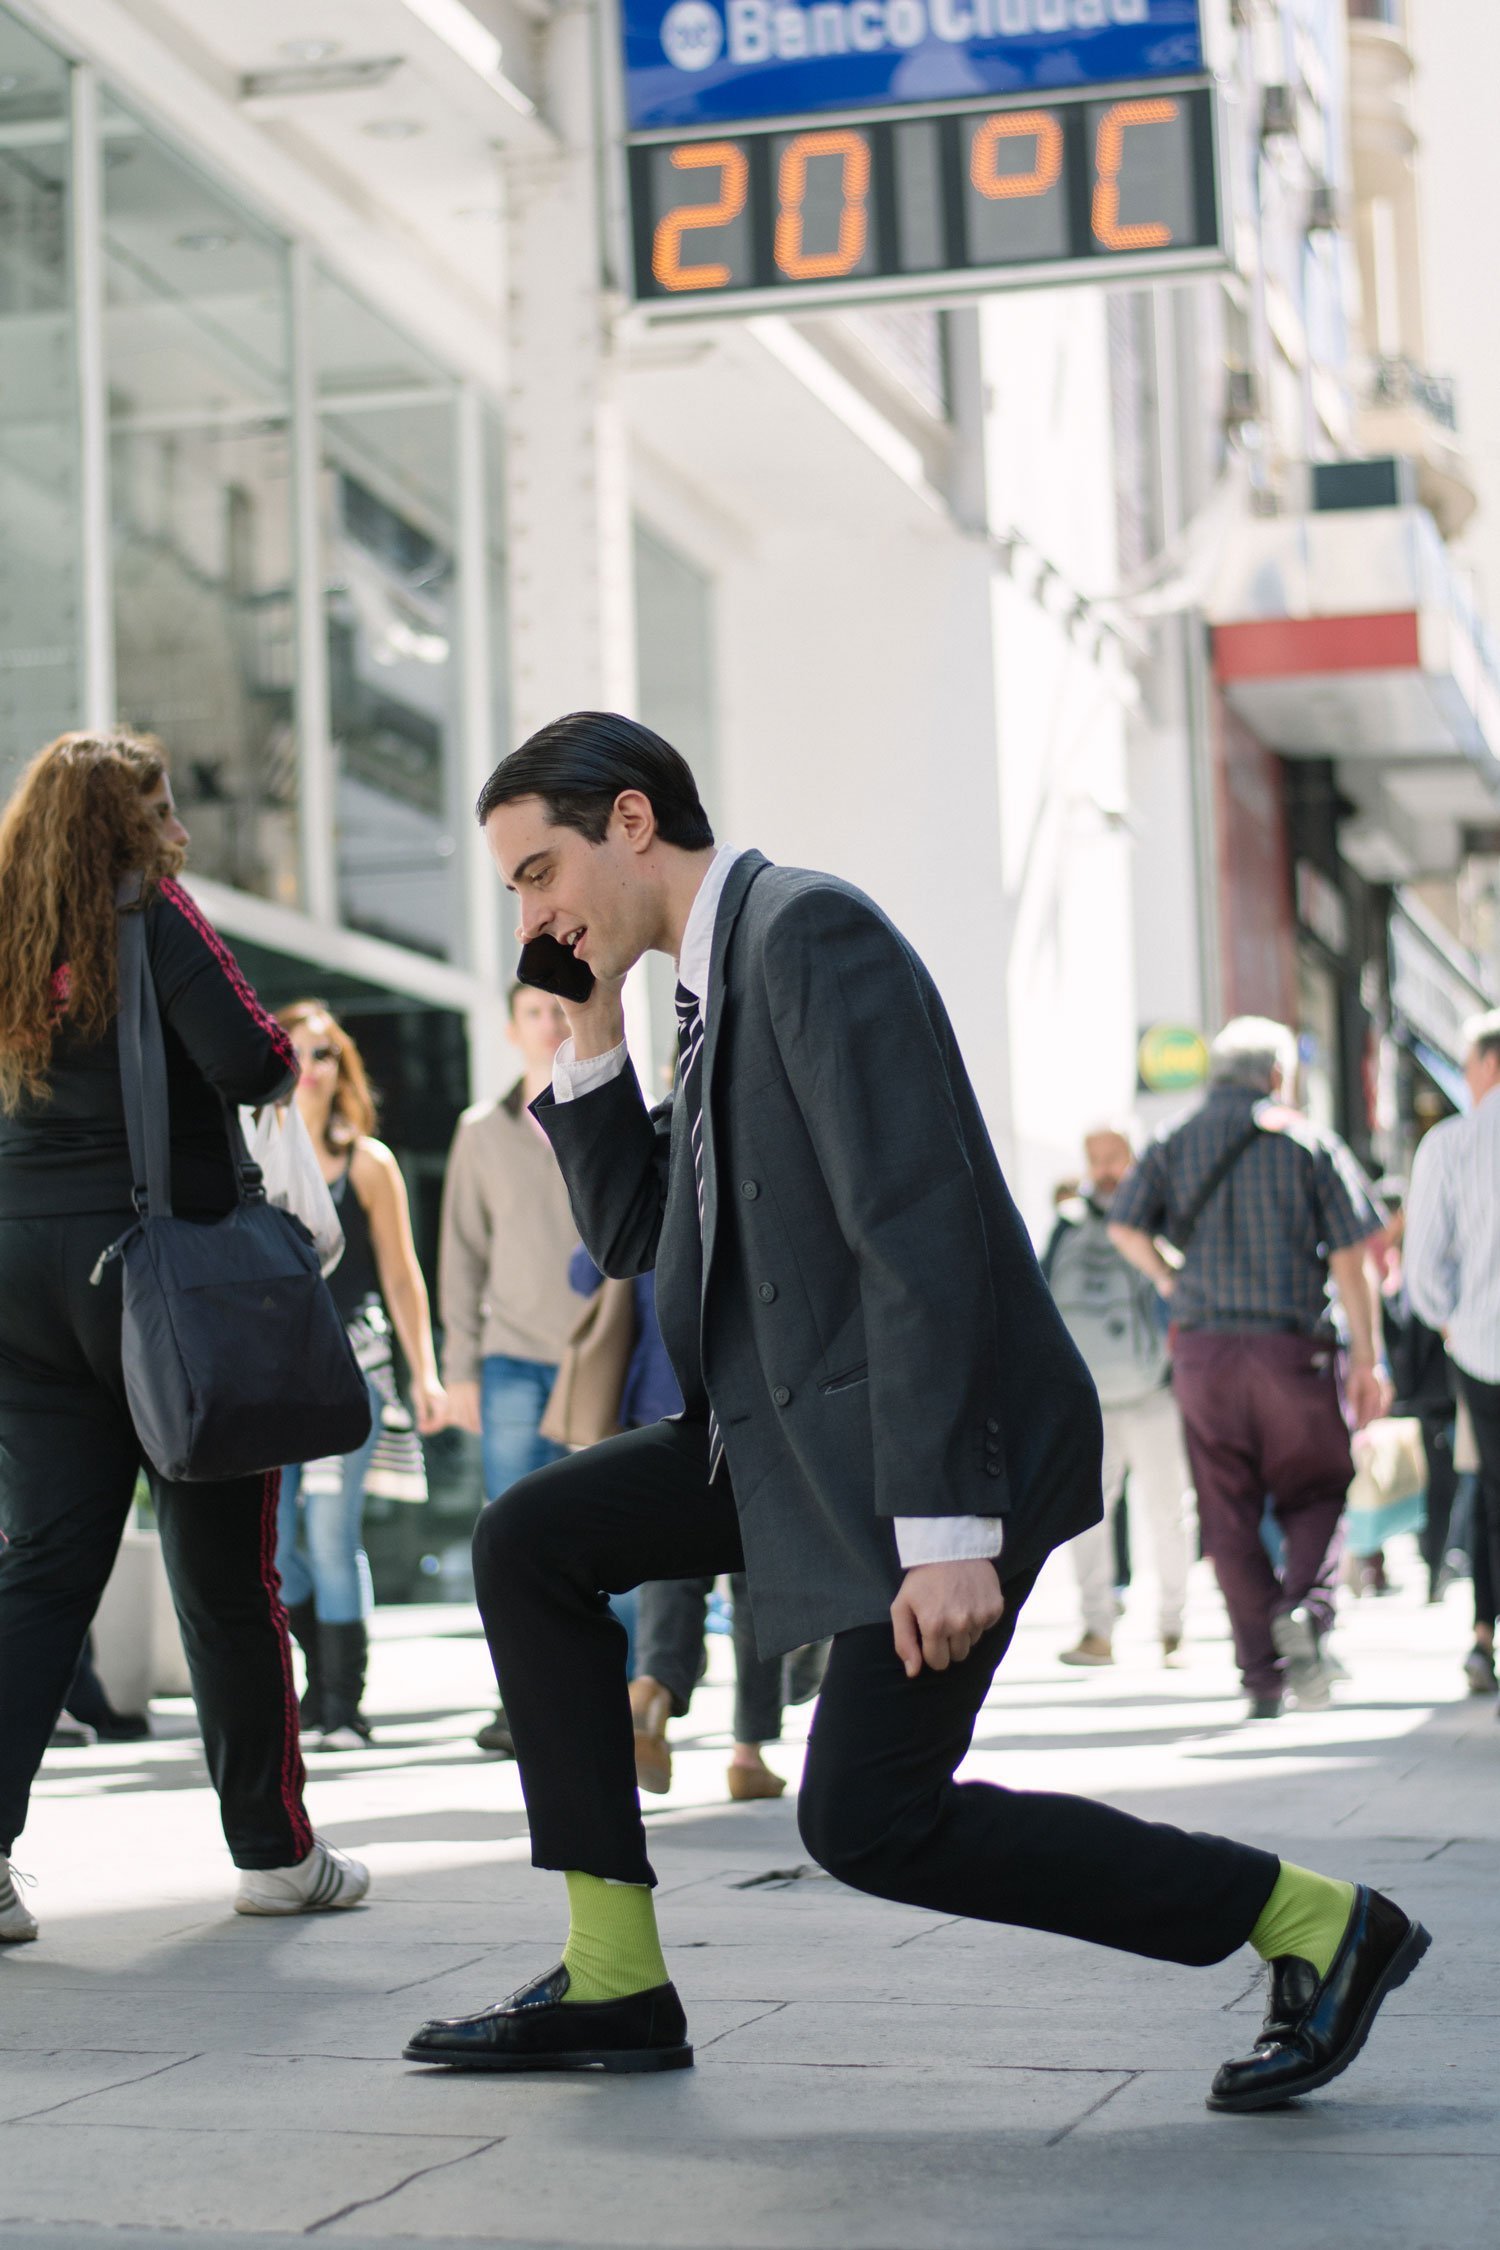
(90, 809)
(377, 1286)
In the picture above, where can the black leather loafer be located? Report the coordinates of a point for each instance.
(534, 2030)
(1316, 2026)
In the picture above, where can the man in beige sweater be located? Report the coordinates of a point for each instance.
(507, 1235)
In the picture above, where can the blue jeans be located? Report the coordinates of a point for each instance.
(326, 1564)
(513, 1395)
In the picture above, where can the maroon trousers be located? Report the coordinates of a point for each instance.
(1263, 1418)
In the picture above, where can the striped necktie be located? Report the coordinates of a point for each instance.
(690, 1078)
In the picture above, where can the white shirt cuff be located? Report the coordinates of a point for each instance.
(927, 1539)
(570, 1078)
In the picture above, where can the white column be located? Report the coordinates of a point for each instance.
(317, 799)
(97, 573)
(571, 590)
(492, 1062)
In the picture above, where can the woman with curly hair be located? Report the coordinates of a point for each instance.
(89, 810)
(319, 1550)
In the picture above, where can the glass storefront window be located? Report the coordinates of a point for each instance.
(40, 616)
(388, 431)
(198, 370)
(503, 740)
(675, 694)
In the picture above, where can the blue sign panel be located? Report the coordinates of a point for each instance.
(702, 62)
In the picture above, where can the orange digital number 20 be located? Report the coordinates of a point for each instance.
(729, 160)
(1109, 155)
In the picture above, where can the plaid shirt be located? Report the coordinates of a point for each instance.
(1258, 1257)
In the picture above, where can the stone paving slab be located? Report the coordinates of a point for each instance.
(871, 2077)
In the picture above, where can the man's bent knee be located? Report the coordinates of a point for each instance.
(867, 1853)
(516, 1530)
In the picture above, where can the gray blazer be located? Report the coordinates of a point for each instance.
(863, 1307)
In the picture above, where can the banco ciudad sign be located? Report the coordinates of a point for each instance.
(878, 148)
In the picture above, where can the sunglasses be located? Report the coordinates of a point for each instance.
(323, 1054)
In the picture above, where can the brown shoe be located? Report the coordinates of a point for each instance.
(651, 1707)
(1094, 1648)
(749, 1782)
(1171, 1651)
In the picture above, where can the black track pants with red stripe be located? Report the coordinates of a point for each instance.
(69, 1458)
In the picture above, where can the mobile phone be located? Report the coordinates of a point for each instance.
(553, 968)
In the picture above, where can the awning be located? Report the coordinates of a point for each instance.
(1436, 986)
(1347, 634)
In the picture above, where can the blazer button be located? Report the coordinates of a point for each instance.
(992, 1445)
(749, 1190)
(993, 1469)
(782, 1395)
(992, 1426)
(767, 1293)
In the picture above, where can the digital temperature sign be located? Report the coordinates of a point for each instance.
(937, 202)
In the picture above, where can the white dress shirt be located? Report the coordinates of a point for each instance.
(919, 1539)
(1450, 1254)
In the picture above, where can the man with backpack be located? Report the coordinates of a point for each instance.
(1264, 1210)
(1117, 1319)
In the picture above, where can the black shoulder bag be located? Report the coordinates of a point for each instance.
(235, 1359)
(1182, 1233)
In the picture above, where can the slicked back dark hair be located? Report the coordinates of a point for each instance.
(579, 765)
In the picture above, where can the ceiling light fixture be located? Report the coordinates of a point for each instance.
(393, 128)
(310, 50)
(207, 238)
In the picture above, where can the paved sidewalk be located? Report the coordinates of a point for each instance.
(869, 2076)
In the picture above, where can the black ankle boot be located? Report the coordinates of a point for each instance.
(303, 1620)
(344, 1650)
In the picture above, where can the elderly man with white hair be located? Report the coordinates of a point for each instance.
(1259, 1210)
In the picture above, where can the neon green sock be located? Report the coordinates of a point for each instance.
(1306, 1915)
(612, 1949)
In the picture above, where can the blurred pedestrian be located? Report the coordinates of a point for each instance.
(669, 1616)
(507, 1235)
(1263, 1208)
(1422, 1382)
(1116, 1317)
(87, 1701)
(376, 1285)
(91, 810)
(1453, 1276)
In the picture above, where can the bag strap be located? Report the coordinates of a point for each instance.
(143, 1061)
(1182, 1234)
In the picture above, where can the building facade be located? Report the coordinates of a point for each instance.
(1109, 637)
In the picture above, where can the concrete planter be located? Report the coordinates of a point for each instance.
(137, 1647)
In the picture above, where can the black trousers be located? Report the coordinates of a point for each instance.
(669, 1622)
(1483, 1402)
(1442, 1481)
(69, 1457)
(879, 1807)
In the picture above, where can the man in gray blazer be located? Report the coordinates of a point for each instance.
(886, 1427)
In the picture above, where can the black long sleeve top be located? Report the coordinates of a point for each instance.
(69, 1153)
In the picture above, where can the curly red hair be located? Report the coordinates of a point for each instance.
(76, 822)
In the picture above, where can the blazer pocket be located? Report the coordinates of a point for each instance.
(847, 1381)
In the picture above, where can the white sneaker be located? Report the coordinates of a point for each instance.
(326, 1878)
(17, 1923)
(341, 1738)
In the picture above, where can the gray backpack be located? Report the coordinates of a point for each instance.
(1109, 1309)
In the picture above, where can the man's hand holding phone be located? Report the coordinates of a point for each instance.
(594, 1006)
